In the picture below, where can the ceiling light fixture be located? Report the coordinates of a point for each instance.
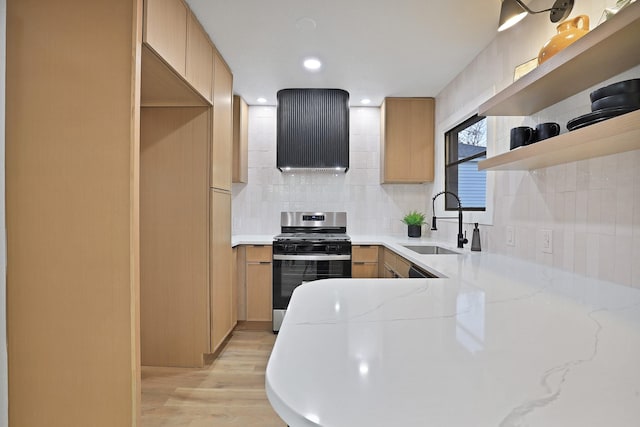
(514, 11)
(312, 64)
(261, 100)
(365, 101)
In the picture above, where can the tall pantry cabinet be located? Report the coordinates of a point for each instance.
(186, 135)
(72, 162)
(118, 246)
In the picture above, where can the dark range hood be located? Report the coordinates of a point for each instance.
(313, 130)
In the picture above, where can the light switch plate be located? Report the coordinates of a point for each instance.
(511, 236)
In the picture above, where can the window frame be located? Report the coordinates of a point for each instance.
(451, 151)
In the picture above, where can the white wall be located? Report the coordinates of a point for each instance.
(592, 206)
(4, 422)
(371, 208)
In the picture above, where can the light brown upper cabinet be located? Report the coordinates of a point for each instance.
(240, 140)
(165, 30)
(222, 151)
(407, 135)
(199, 58)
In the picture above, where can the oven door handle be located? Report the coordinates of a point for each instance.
(312, 257)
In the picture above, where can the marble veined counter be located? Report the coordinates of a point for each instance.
(497, 342)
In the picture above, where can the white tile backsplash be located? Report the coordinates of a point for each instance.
(371, 208)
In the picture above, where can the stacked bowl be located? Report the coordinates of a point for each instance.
(608, 102)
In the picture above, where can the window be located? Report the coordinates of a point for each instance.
(465, 146)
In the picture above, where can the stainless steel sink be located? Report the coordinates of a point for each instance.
(431, 250)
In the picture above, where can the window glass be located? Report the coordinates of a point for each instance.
(465, 146)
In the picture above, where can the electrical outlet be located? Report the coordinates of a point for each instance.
(546, 239)
(511, 236)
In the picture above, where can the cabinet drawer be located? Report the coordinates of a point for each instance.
(259, 253)
(360, 270)
(364, 253)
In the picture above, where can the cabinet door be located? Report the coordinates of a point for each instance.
(222, 152)
(259, 291)
(240, 140)
(221, 283)
(234, 287)
(407, 134)
(402, 267)
(165, 30)
(199, 67)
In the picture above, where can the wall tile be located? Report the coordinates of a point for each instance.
(635, 265)
(594, 210)
(257, 205)
(606, 257)
(580, 253)
(623, 260)
(593, 254)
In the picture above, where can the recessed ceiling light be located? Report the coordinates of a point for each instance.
(365, 101)
(261, 100)
(312, 64)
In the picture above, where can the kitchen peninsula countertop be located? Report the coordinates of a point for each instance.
(497, 341)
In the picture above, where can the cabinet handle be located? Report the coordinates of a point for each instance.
(265, 262)
(359, 262)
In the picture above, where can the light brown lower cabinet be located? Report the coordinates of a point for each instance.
(364, 261)
(234, 286)
(256, 304)
(393, 265)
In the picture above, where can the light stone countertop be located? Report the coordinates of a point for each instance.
(498, 342)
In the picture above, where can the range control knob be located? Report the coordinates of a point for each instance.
(332, 249)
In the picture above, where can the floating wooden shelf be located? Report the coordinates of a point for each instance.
(607, 50)
(612, 136)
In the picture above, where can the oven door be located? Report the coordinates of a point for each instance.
(290, 271)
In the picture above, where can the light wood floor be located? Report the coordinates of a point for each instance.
(229, 392)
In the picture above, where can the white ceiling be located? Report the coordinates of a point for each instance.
(371, 48)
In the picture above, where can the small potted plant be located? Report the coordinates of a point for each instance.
(414, 221)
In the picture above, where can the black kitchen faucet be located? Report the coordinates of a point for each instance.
(462, 239)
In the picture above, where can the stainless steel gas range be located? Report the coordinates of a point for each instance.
(311, 246)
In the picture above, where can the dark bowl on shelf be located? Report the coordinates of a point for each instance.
(613, 101)
(598, 116)
(625, 86)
